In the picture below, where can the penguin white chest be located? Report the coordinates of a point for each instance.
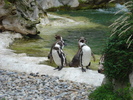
(86, 55)
(56, 57)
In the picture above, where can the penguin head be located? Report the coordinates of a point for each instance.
(59, 38)
(81, 41)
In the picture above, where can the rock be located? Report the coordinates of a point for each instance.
(131, 79)
(73, 3)
(2, 96)
(56, 3)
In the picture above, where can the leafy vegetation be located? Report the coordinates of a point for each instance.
(119, 56)
(118, 59)
(106, 92)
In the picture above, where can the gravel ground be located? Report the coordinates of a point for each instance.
(33, 86)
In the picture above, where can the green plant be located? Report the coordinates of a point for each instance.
(3, 99)
(106, 92)
(124, 23)
(118, 59)
(119, 56)
(131, 92)
(124, 93)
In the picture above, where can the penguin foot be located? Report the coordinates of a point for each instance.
(87, 67)
(60, 68)
(83, 70)
(56, 68)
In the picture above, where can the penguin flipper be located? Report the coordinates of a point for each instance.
(80, 57)
(63, 59)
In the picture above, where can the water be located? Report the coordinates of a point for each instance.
(113, 10)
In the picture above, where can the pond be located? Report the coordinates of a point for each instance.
(92, 24)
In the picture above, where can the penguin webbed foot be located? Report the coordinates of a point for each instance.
(87, 67)
(60, 68)
(83, 70)
(56, 68)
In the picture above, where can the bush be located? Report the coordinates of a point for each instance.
(118, 62)
(105, 92)
(118, 53)
(118, 58)
(124, 93)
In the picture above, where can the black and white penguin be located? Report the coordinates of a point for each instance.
(58, 38)
(58, 55)
(76, 59)
(84, 54)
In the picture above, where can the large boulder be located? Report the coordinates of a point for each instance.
(49, 3)
(56, 3)
(13, 23)
(19, 17)
(73, 3)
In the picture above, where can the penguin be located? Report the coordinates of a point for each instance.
(84, 54)
(58, 38)
(76, 59)
(58, 55)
